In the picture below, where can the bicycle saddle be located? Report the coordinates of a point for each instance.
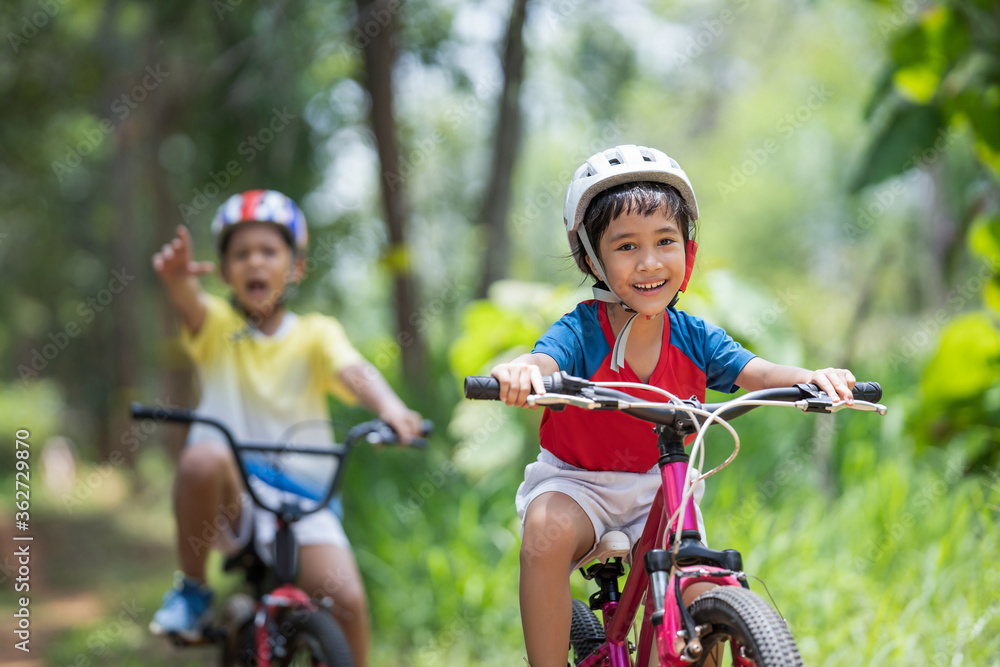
(613, 544)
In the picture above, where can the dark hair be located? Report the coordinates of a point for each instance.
(639, 198)
(227, 233)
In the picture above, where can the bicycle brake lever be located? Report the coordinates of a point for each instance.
(559, 401)
(861, 406)
(815, 404)
(825, 406)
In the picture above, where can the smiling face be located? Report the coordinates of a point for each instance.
(643, 259)
(259, 264)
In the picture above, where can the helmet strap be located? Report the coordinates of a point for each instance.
(604, 293)
(690, 250)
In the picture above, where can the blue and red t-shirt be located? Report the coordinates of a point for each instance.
(694, 355)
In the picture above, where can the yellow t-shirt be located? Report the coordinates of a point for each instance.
(259, 386)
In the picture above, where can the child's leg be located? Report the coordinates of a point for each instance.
(207, 488)
(330, 570)
(557, 532)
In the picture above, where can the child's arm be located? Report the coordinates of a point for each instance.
(179, 272)
(376, 395)
(761, 374)
(523, 376)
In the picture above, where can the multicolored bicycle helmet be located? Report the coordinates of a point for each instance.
(261, 206)
(622, 164)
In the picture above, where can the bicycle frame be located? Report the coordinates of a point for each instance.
(618, 616)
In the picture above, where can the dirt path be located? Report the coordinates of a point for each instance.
(52, 612)
(93, 588)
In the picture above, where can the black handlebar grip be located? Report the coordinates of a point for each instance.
(487, 388)
(868, 391)
(140, 411)
(482, 388)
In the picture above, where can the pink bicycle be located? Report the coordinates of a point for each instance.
(728, 618)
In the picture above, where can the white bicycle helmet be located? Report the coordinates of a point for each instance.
(614, 166)
(622, 164)
(261, 206)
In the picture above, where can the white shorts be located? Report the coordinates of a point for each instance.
(322, 527)
(612, 500)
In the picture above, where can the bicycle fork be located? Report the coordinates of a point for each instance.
(671, 571)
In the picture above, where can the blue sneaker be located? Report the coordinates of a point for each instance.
(185, 610)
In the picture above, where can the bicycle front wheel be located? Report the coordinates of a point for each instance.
(751, 629)
(313, 639)
(307, 639)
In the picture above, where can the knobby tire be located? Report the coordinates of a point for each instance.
(586, 634)
(742, 618)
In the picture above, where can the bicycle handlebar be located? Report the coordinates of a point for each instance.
(568, 390)
(374, 432)
(487, 388)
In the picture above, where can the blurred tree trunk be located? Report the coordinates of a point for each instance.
(380, 57)
(507, 140)
(176, 377)
(125, 335)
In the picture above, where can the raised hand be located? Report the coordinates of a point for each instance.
(175, 260)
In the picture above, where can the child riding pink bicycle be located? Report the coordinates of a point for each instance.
(630, 217)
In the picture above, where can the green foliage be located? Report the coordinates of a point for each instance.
(943, 73)
(870, 538)
(907, 131)
(507, 324)
(967, 360)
